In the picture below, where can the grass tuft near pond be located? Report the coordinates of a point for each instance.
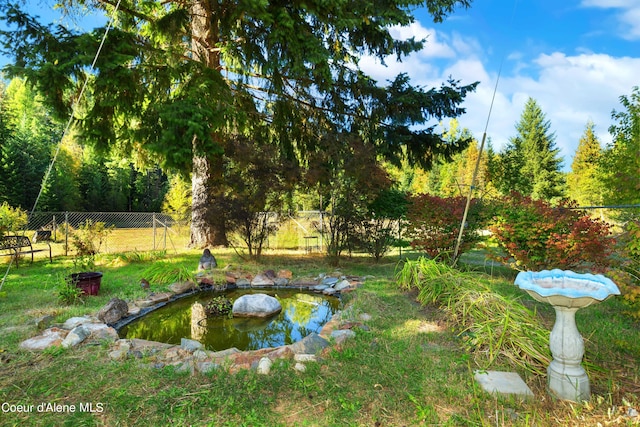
(414, 366)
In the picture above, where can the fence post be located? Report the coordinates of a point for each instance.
(66, 234)
(55, 228)
(154, 230)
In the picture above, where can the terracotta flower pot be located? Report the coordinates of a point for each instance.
(89, 282)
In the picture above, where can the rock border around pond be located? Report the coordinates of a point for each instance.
(190, 355)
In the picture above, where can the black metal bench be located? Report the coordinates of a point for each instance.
(21, 245)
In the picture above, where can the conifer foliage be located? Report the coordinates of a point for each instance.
(530, 164)
(186, 79)
(583, 183)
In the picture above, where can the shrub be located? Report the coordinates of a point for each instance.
(627, 276)
(380, 231)
(89, 237)
(533, 235)
(68, 293)
(11, 219)
(434, 224)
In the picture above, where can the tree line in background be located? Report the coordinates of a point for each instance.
(83, 179)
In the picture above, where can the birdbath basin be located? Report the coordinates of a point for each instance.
(567, 292)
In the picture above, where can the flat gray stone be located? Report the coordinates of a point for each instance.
(72, 322)
(225, 353)
(182, 287)
(261, 281)
(280, 281)
(206, 367)
(154, 299)
(342, 335)
(304, 282)
(311, 344)
(100, 331)
(190, 345)
(502, 383)
(48, 338)
(243, 283)
(76, 336)
(329, 281)
(344, 284)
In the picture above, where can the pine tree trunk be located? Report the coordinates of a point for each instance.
(208, 223)
(208, 219)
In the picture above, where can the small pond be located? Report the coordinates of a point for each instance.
(302, 314)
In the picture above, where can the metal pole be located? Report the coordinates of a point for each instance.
(321, 226)
(66, 234)
(153, 220)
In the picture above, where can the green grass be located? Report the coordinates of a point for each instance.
(411, 368)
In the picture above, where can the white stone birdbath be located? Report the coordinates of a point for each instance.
(567, 292)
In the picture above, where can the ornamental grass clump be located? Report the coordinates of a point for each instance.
(491, 325)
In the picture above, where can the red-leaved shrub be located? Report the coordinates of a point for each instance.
(534, 235)
(433, 224)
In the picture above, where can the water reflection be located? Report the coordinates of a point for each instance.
(301, 315)
(198, 321)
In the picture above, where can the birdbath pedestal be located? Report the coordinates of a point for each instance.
(567, 292)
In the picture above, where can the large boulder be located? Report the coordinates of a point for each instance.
(256, 305)
(115, 310)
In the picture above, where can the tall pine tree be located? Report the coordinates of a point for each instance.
(530, 164)
(583, 183)
(188, 79)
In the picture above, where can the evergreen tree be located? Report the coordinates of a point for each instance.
(186, 79)
(620, 165)
(530, 164)
(61, 191)
(28, 138)
(583, 183)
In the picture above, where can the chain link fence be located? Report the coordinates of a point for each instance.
(146, 231)
(131, 231)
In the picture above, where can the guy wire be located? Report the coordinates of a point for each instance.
(66, 129)
(477, 165)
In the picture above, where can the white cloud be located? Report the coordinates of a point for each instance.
(570, 89)
(628, 14)
(433, 47)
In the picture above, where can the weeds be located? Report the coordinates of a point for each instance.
(68, 293)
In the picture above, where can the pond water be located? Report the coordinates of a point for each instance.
(302, 314)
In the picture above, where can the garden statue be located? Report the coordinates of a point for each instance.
(207, 261)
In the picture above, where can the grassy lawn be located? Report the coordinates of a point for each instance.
(410, 368)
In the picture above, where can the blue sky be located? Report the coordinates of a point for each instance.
(574, 57)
